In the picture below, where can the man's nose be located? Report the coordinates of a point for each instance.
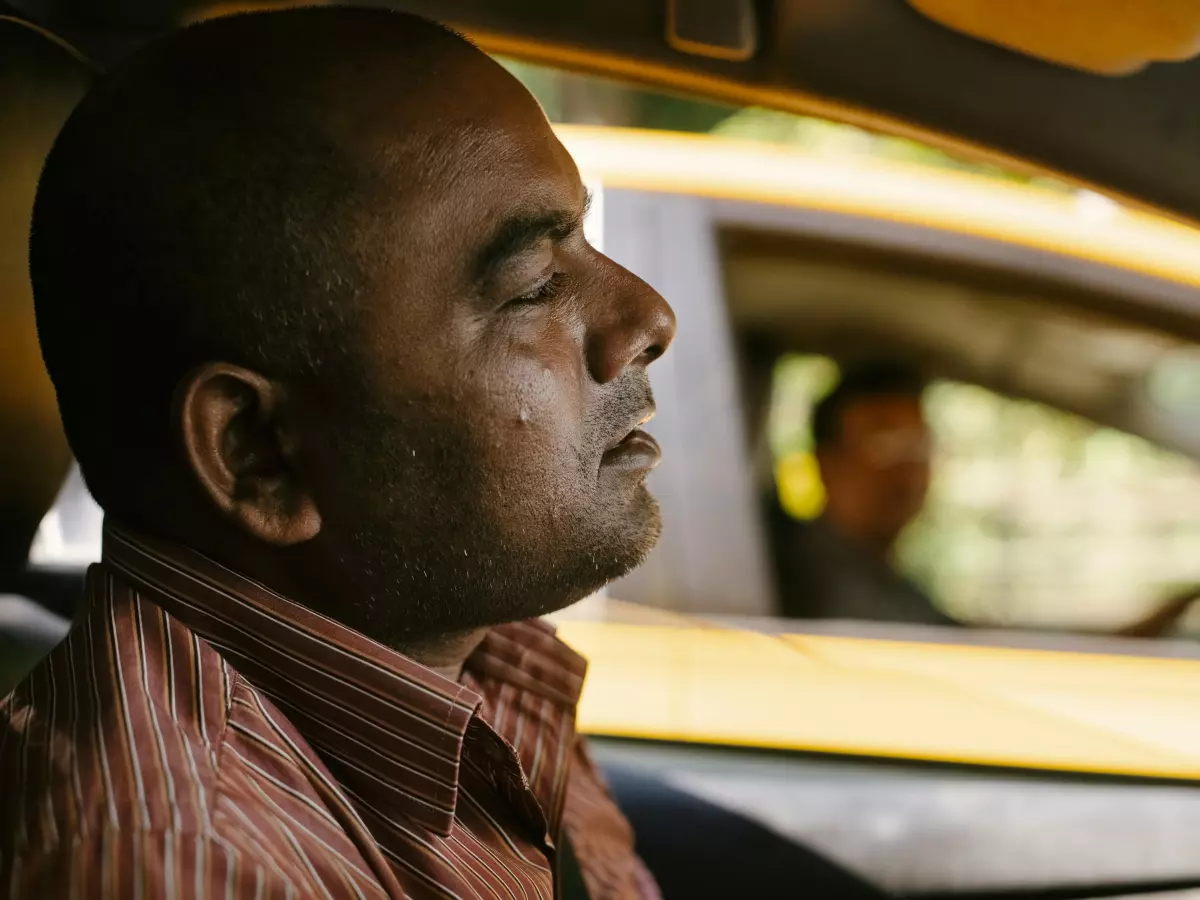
(632, 326)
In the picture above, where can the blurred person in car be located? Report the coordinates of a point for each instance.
(361, 404)
(873, 450)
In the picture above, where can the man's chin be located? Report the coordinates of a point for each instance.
(620, 547)
(630, 538)
(636, 530)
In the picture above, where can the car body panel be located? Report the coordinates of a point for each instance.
(990, 706)
(925, 196)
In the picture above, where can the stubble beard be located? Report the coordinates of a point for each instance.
(434, 561)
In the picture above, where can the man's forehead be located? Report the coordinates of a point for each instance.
(479, 173)
(518, 151)
(452, 157)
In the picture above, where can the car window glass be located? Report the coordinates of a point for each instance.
(1036, 518)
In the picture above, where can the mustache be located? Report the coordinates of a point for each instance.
(623, 405)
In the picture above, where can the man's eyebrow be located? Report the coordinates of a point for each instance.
(520, 232)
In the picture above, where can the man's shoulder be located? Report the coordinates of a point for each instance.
(113, 863)
(803, 544)
(113, 728)
(125, 755)
(785, 526)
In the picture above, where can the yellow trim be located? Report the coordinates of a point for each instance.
(1081, 226)
(658, 76)
(973, 705)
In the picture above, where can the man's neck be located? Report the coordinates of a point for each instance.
(445, 654)
(883, 548)
(879, 547)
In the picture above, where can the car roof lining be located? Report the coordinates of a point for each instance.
(877, 63)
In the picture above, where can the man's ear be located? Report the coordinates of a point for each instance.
(238, 443)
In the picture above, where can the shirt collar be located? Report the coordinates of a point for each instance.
(528, 656)
(384, 724)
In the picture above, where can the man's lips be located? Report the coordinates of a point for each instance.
(637, 451)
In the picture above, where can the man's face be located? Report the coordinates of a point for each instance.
(489, 468)
(877, 474)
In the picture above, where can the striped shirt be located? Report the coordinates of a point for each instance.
(199, 736)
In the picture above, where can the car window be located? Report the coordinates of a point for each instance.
(1035, 518)
(575, 98)
(70, 534)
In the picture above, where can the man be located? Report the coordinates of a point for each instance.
(354, 392)
(873, 451)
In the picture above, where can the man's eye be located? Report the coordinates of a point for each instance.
(547, 290)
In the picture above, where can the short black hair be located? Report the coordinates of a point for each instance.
(196, 208)
(866, 379)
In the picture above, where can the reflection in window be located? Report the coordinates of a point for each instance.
(1036, 518)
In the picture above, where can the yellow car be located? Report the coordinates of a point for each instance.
(681, 692)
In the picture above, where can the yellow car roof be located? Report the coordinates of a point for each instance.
(1037, 709)
(1079, 225)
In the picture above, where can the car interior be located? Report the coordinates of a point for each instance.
(1109, 109)
(50, 78)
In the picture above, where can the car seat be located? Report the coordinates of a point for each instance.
(41, 80)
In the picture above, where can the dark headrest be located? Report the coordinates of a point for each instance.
(41, 80)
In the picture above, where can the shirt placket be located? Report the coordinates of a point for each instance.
(500, 763)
